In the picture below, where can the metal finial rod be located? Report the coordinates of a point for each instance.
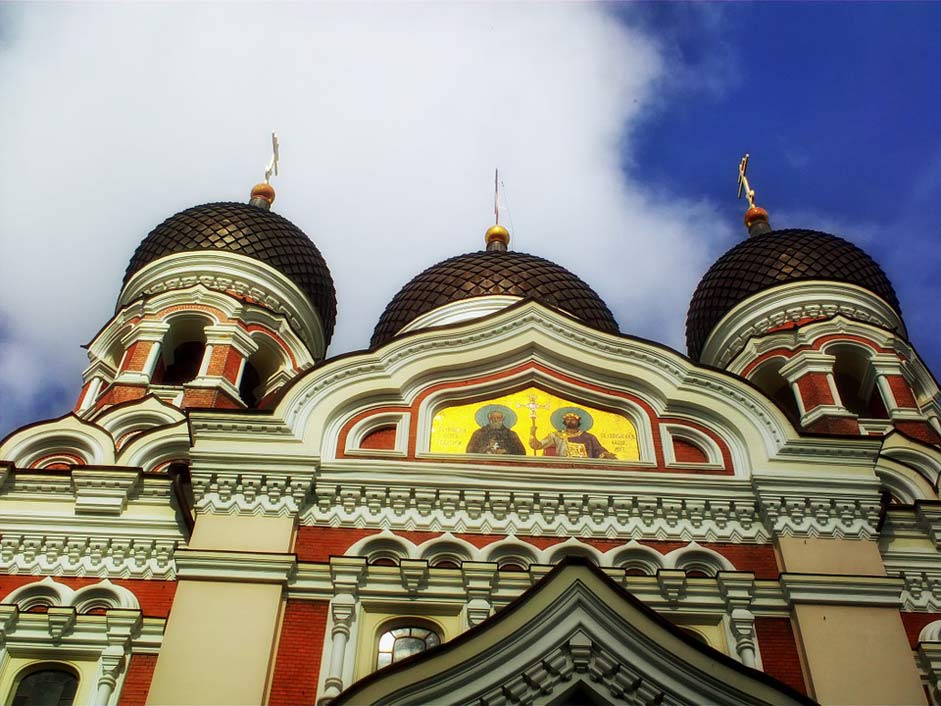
(743, 184)
(272, 167)
(496, 195)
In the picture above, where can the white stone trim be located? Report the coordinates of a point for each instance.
(523, 333)
(670, 432)
(709, 509)
(463, 310)
(103, 491)
(248, 567)
(878, 591)
(67, 434)
(793, 302)
(50, 592)
(387, 544)
(400, 420)
(802, 505)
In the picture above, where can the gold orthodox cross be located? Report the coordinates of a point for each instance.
(743, 183)
(272, 167)
(532, 406)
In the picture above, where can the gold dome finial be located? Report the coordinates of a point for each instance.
(263, 193)
(756, 218)
(497, 237)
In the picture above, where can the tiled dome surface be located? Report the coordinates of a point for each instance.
(487, 273)
(250, 231)
(775, 258)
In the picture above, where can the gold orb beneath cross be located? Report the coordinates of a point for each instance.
(497, 233)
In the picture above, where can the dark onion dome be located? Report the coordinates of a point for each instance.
(251, 231)
(774, 258)
(490, 273)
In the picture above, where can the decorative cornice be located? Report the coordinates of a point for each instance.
(880, 591)
(102, 490)
(714, 516)
(243, 567)
(790, 303)
(802, 505)
(230, 272)
(806, 362)
(83, 555)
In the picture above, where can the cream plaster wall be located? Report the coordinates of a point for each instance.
(218, 644)
(246, 533)
(840, 557)
(858, 655)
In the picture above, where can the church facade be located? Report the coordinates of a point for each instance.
(504, 500)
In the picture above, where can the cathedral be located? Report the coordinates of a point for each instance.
(505, 500)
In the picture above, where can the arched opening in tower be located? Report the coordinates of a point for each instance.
(855, 381)
(767, 378)
(183, 351)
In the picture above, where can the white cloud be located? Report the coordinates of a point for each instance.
(391, 119)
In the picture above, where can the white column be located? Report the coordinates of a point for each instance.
(342, 608)
(742, 622)
(91, 394)
(151, 363)
(204, 364)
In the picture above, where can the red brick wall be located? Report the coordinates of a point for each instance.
(122, 393)
(137, 355)
(233, 364)
(687, 452)
(320, 543)
(140, 673)
(779, 654)
(914, 622)
(297, 665)
(155, 597)
(919, 430)
(834, 425)
(383, 438)
(815, 390)
(208, 397)
(901, 390)
(217, 360)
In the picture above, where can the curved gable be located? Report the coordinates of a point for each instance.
(575, 632)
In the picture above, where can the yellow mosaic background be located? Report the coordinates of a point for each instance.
(452, 427)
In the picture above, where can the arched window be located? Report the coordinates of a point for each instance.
(401, 642)
(47, 685)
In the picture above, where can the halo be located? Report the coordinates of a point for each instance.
(509, 416)
(587, 421)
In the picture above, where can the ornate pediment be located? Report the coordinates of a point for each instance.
(575, 637)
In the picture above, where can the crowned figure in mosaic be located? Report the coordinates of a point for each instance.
(570, 440)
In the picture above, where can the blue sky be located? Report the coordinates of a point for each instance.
(838, 104)
(623, 122)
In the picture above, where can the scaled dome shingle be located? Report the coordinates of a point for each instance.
(488, 273)
(775, 258)
(251, 231)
